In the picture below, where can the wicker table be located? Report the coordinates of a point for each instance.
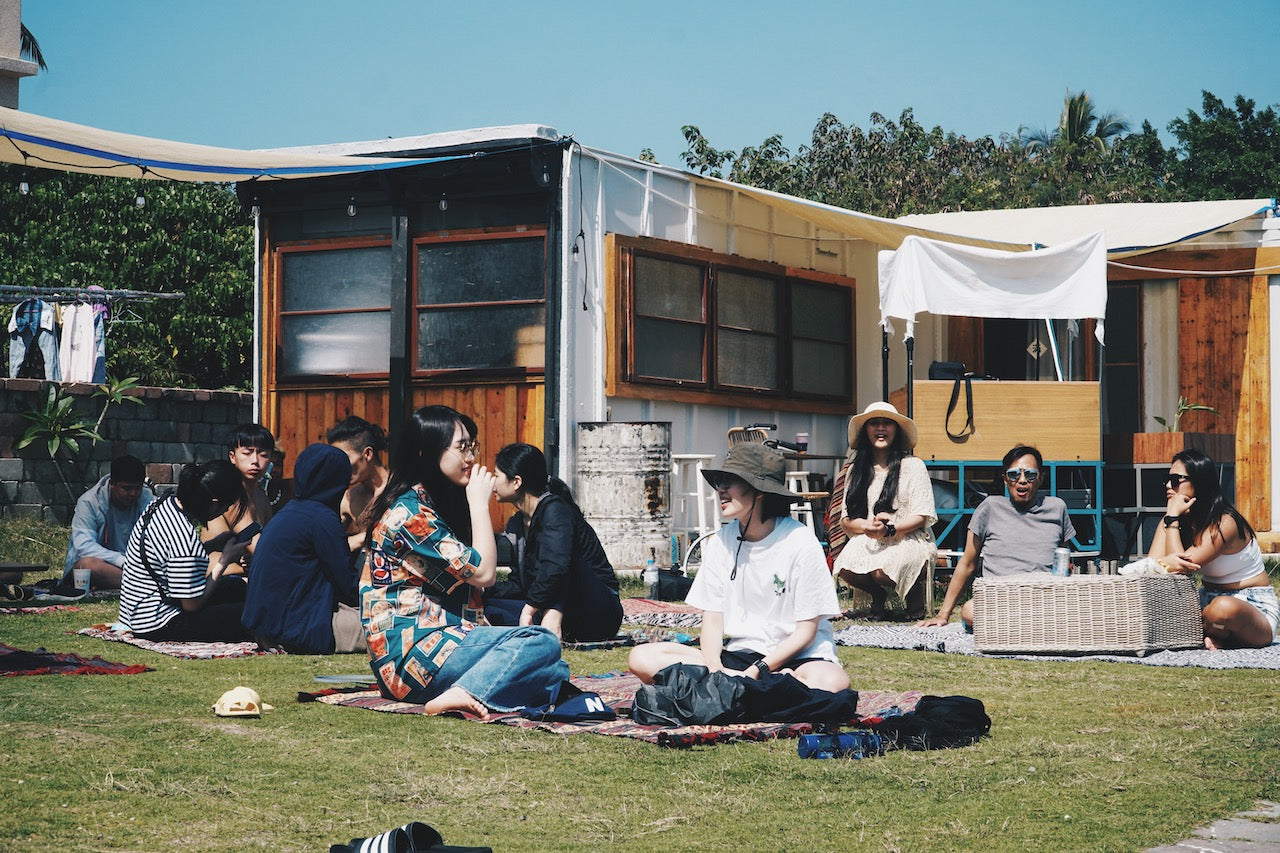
(1085, 614)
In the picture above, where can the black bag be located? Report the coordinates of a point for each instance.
(946, 370)
(672, 585)
(938, 722)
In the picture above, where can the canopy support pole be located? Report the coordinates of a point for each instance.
(884, 364)
(911, 369)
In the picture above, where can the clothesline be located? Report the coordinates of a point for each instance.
(13, 294)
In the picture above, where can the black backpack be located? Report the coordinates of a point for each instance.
(938, 722)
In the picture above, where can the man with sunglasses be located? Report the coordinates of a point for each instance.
(1013, 534)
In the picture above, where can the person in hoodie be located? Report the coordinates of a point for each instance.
(302, 590)
(104, 520)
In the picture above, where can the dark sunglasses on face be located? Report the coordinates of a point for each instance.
(1013, 474)
(1176, 480)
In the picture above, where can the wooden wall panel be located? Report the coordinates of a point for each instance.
(301, 416)
(1213, 324)
(1253, 413)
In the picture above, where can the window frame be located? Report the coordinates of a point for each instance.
(454, 374)
(279, 314)
(622, 378)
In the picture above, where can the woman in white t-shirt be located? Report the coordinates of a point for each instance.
(766, 595)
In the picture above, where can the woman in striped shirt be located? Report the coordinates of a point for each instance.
(172, 587)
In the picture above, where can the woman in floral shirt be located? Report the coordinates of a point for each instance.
(421, 588)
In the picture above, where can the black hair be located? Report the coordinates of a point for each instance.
(416, 459)
(530, 465)
(251, 435)
(127, 469)
(358, 433)
(1020, 451)
(1211, 505)
(862, 473)
(200, 485)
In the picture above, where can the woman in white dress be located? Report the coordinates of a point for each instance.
(887, 511)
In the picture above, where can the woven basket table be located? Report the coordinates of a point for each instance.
(1038, 613)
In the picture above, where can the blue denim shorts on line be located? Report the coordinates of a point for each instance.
(1262, 598)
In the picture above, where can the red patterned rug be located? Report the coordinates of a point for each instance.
(187, 651)
(618, 689)
(18, 662)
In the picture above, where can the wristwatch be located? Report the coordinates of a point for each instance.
(1170, 519)
(891, 529)
(761, 667)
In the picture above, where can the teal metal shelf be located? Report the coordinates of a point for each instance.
(1078, 483)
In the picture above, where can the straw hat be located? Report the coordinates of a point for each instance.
(883, 410)
(763, 467)
(241, 702)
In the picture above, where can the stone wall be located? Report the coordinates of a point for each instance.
(172, 427)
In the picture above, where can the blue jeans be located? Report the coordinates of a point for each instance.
(505, 668)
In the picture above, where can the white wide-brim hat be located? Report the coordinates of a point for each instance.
(884, 410)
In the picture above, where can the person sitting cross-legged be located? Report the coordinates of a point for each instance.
(763, 585)
(1013, 534)
(104, 520)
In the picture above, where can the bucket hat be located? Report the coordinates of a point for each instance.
(883, 410)
(763, 467)
(240, 702)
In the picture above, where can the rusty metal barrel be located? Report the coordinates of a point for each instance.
(624, 488)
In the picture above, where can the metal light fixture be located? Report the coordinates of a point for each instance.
(141, 199)
(351, 207)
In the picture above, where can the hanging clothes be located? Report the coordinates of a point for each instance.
(78, 349)
(33, 341)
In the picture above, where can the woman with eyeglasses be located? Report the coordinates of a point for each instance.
(431, 555)
(563, 579)
(887, 513)
(766, 596)
(1012, 534)
(1203, 533)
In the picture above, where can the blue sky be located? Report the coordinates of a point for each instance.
(622, 77)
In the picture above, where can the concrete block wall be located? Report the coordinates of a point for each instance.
(172, 427)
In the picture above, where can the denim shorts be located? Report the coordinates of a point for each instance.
(1262, 598)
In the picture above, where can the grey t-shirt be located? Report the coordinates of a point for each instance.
(1015, 540)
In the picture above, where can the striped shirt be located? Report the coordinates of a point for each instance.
(177, 558)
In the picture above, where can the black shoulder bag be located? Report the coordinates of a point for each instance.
(967, 429)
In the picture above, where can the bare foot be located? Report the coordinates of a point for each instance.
(1210, 644)
(456, 699)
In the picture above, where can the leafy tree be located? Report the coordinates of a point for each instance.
(29, 49)
(1228, 153)
(73, 230)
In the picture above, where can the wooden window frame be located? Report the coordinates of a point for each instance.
(620, 380)
(472, 374)
(278, 314)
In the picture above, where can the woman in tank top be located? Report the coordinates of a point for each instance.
(1203, 533)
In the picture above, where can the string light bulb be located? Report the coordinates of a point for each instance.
(444, 203)
(23, 186)
(140, 200)
(256, 209)
(351, 207)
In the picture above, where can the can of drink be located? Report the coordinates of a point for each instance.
(802, 441)
(1061, 562)
(854, 744)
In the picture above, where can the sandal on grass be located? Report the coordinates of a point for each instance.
(414, 837)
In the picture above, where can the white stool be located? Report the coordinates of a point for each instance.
(688, 485)
(802, 510)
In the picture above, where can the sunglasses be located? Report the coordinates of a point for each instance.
(720, 481)
(1176, 480)
(1013, 474)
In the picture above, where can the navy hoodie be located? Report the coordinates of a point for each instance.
(301, 566)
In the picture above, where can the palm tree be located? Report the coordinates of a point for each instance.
(1078, 125)
(30, 49)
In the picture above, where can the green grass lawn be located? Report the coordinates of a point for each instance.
(1082, 756)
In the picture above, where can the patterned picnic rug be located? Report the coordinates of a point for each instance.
(634, 637)
(618, 689)
(953, 639)
(49, 608)
(666, 614)
(188, 651)
(18, 662)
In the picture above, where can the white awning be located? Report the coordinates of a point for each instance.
(1131, 229)
(46, 143)
(1068, 281)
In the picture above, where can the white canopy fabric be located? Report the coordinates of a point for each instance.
(1131, 229)
(1062, 282)
(46, 143)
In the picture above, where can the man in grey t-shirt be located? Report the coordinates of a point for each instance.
(1013, 534)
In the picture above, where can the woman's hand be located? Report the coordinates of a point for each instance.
(231, 554)
(480, 486)
(527, 615)
(883, 520)
(1178, 504)
(1179, 564)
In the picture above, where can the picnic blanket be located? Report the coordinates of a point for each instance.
(47, 608)
(634, 637)
(665, 614)
(18, 662)
(618, 689)
(953, 639)
(187, 651)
